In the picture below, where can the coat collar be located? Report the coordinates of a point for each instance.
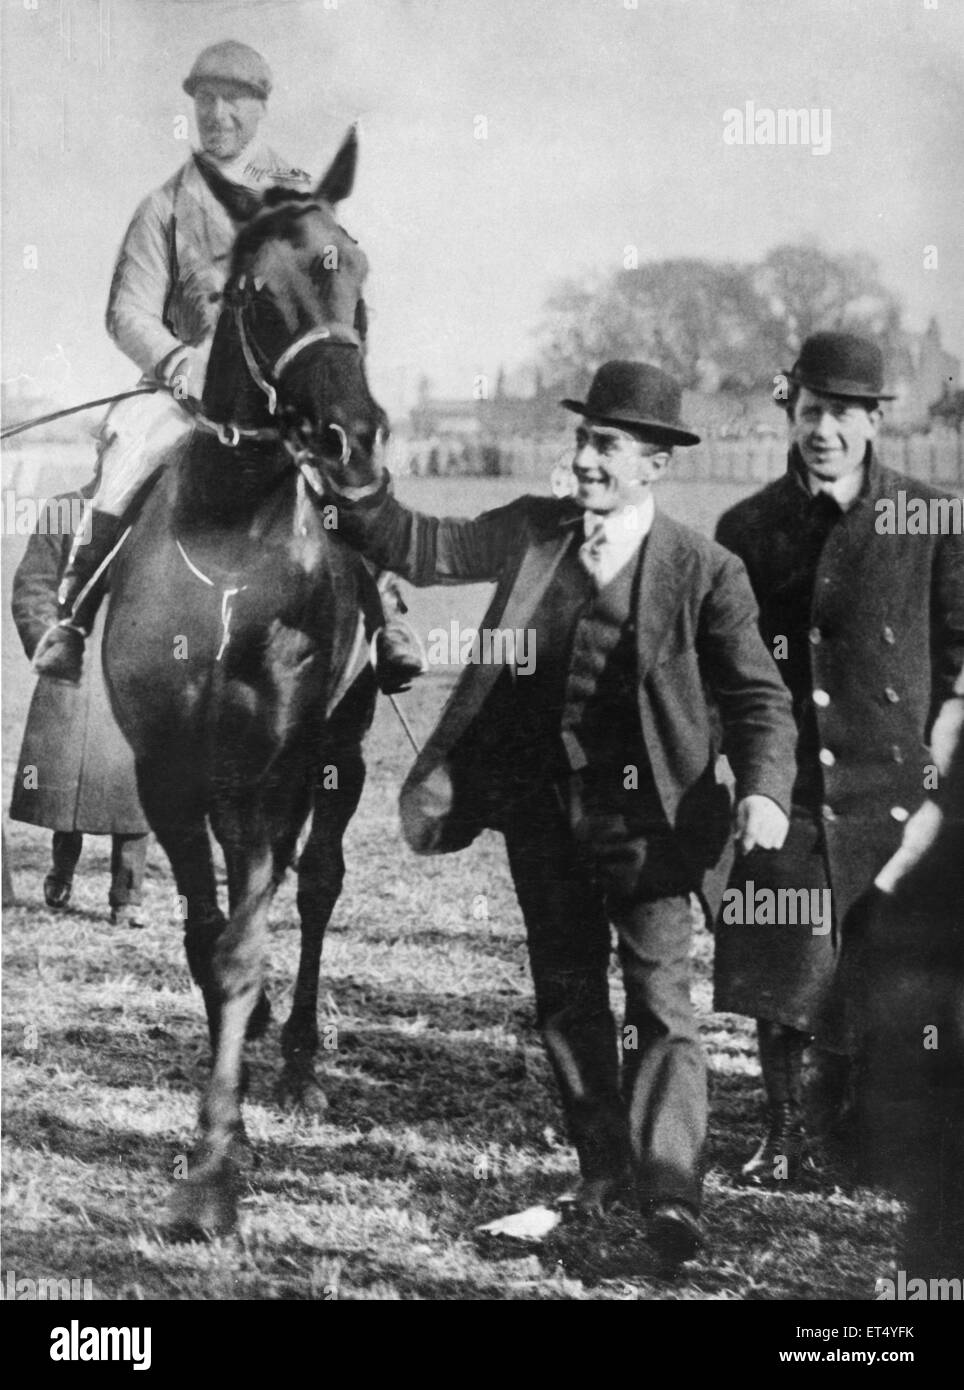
(199, 204)
(664, 577)
(874, 482)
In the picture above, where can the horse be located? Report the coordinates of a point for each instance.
(233, 643)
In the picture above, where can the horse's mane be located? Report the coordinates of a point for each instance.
(281, 208)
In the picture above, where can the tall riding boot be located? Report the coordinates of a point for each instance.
(778, 1159)
(399, 654)
(60, 652)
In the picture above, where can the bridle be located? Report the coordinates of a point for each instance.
(267, 376)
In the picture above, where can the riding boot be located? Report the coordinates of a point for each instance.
(60, 652)
(779, 1157)
(399, 654)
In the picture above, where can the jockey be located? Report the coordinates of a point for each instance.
(163, 308)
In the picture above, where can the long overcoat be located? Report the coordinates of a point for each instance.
(873, 661)
(76, 769)
(695, 628)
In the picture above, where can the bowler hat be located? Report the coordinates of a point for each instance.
(636, 396)
(229, 61)
(841, 364)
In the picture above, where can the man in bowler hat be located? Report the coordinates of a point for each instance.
(599, 768)
(868, 630)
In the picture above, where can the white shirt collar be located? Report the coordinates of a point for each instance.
(844, 491)
(624, 530)
(627, 526)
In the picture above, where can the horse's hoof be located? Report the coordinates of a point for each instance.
(260, 1018)
(202, 1209)
(298, 1090)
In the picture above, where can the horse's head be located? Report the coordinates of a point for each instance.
(290, 348)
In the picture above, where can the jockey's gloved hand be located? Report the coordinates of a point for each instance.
(183, 370)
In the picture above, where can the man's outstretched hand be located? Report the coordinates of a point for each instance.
(760, 824)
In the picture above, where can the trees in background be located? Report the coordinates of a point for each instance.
(716, 325)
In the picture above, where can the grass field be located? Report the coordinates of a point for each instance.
(441, 1113)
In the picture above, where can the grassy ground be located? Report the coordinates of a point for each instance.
(441, 1115)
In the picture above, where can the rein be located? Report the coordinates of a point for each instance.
(11, 430)
(228, 433)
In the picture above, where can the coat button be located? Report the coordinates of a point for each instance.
(891, 695)
(815, 637)
(826, 757)
(828, 813)
(888, 635)
(899, 813)
(896, 753)
(821, 699)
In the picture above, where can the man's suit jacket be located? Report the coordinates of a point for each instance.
(885, 646)
(695, 625)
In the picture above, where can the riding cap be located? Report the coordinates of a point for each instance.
(230, 61)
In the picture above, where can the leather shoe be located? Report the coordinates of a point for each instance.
(675, 1233)
(776, 1164)
(57, 891)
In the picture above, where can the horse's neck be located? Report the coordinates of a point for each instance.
(220, 488)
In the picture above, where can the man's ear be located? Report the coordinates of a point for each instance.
(874, 417)
(658, 463)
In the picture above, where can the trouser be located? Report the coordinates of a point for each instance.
(135, 439)
(635, 1103)
(128, 859)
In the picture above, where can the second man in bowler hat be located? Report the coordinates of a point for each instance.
(868, 629)
(599, 768)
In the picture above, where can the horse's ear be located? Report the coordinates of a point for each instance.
(339, 180)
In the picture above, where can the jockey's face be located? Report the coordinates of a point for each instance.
(613, 467)
(228, 115)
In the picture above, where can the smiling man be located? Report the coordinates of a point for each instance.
(599, 768)
(868, 631)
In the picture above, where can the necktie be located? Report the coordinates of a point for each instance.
(591, 550)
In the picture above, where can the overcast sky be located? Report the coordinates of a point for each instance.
(604, 129)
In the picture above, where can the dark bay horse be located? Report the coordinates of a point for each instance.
(232, 645)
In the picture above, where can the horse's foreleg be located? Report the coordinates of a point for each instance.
(177, 818)
(235, 861)
(206, 1201)
(321, 872)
